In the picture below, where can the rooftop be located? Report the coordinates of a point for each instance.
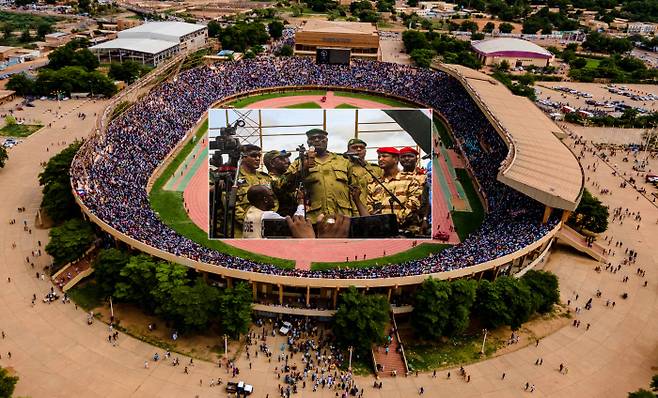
(166, 28)
(509, 44)
(148, 46)
(320, 26)
(538, 163)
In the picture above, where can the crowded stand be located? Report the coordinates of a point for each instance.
(111, 171)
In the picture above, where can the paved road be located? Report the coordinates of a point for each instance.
(56, 354)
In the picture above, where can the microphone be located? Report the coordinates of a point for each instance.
(354, 157)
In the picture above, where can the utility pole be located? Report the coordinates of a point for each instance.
(349, 367)
(483, 341)
(226, 347)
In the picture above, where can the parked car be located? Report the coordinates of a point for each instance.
(285, 329)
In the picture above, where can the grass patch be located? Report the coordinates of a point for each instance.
(169, 206)
(443, 133)
(346, 106)
(592, 63)
(87, 295)
(375, 98)
(468, 221)
(304, 105)
(423, 356)
(241, 103)
(420, 251)
(19, 130)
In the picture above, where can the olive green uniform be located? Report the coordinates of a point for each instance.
(363, 179)
(408, 191)
(327, 184)
(245, 181)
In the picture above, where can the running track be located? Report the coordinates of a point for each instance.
(304, 252)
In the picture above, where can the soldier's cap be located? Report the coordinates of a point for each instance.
(408, 149)
(313, 132)
(388, 149)
(273, 154)
(356, 141)
(249, 147)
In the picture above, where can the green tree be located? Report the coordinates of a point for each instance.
(7, 383)
(107, 269)
(84, 5)
(8, 31)
(25, 36)
(191, 307)
(285, 51)
(545, 289)
(641, 393)
(422, 57)
(214, 28)
(43, 29)
(431, 313)
(137, 280)
(235, 310)
(518, 300)
(505, 27)
(412, 3)
(490, 306)
(414, 40)
(21, 83)
(488, 27)
(360, 320)
(58, 201)
(590, 214)
(69, 241)
(3, 156)
(127, 71)
(578, 63)
(462, 298)
(276, 29)
(168, 277)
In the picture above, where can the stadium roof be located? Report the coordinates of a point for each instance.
(147, 46)
(538, 164)
(165, 28)
(510, 47)
(320, 26)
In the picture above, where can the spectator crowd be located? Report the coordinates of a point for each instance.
(111, 171)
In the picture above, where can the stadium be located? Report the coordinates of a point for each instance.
(527, 179)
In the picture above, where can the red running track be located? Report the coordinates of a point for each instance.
(305, 251)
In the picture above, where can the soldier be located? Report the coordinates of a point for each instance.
(403, 185)
(248, 177)
(327, 181)
(277, 162)
(361, 175)
(409, 162)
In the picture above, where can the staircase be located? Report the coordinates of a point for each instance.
(393, 363)
(574, 239)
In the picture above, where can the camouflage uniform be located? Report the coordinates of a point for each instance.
(245, 181)
(406, 188)
(327, 184)
(362, 180)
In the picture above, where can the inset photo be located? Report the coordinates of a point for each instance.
(319, 173)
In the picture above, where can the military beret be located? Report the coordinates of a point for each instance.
(316, 132)
(271, 155)
(408, 149)
(356, 141)
(388, 149)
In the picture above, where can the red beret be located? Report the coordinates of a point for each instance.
(388, 149)
(408, 149)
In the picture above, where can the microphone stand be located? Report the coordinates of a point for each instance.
(392, 198)
(229, 214)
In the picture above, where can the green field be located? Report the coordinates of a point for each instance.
(169, 206)
(242, 102)
(592, 63)
(468, 221)
(346, 106)
(19, 130)
(370, 97)
(420, 251)
(305, 105)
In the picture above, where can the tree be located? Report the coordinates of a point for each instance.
(107, 269)
(412, 3)
(7, 383)
(590, 214)
(192, 307)
(84, 5)
(276, 29)
(285, 51)
(7, 30)
(544, 287)
(43, 29)
(127, 71)
(413, 40)
(488, 27)
(360, 320)
(518, 300)
(422, 57)
(462, 298)
(505, 27)
(214, 28)
(168, 277)
(503, 66)
(235, 309)
(58, 200)
(641, 393)
(578, 63)
(69, 241)
(137, 279)
(431, 313)
(490, 306)
(3, 156)
(25, 36)
(21, 84)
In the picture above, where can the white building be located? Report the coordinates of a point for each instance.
(641, 28)
(152, 43)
